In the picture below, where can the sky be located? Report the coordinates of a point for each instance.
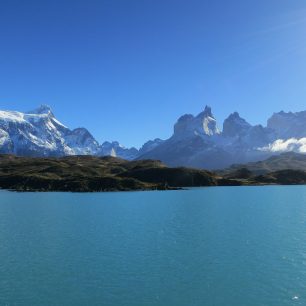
(128, 69)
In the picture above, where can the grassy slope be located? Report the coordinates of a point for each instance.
(87, 173)
(293, 161)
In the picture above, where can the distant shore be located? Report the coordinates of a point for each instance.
(100, 174)
(95, 174)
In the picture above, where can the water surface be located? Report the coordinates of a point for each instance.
(207, 246)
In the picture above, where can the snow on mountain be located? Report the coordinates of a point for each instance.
(208, 123)
(196, 140)
(82, 142)
(33, 133)
(39, 133)
(204, 124)
(194, 143)
(116, 150)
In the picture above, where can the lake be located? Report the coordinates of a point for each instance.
(203, 246)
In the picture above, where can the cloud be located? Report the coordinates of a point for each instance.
(291, 144)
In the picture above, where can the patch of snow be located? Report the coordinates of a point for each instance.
(59, 123)
(4, 137)
(12, 116)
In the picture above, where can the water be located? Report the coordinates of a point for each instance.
(207, 246)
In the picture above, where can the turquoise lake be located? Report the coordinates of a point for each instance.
(204, 246)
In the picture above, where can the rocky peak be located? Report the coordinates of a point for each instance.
(150, 145)
(206, 113)
(287, 125)
(83, 135)
(204, 124)
(42, 109)
(207, 122)
(234, 125)
(183, 124)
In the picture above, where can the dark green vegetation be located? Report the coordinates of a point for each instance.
(290, 160)
(287, 169)
(87, 173)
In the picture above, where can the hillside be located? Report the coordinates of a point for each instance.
(91, 173)
(289, 160)
(88, 173)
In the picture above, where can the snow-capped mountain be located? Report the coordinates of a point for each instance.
(39, 133)
(194, 143)
(115, 149)
(204, 124)
(197, 141)
(35, 133)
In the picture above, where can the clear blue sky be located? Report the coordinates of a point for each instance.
(127, 69)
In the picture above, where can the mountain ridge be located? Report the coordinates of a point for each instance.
(239, 141)
(38, 133)
(196, 140)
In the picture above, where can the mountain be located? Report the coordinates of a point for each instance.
(234, 126)
(150, 145)
(204, 124)
(288, 125)
(188, 145)
(115, 149)
(197, 141)
(39, 133)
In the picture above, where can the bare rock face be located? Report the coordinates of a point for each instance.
(208, 123)
(234, 126)
(204, 124)
(197, 141)
(150, 145)
(288, 125)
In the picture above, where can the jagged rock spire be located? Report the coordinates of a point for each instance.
(207, 111)
(203, 124)
(234, 125)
